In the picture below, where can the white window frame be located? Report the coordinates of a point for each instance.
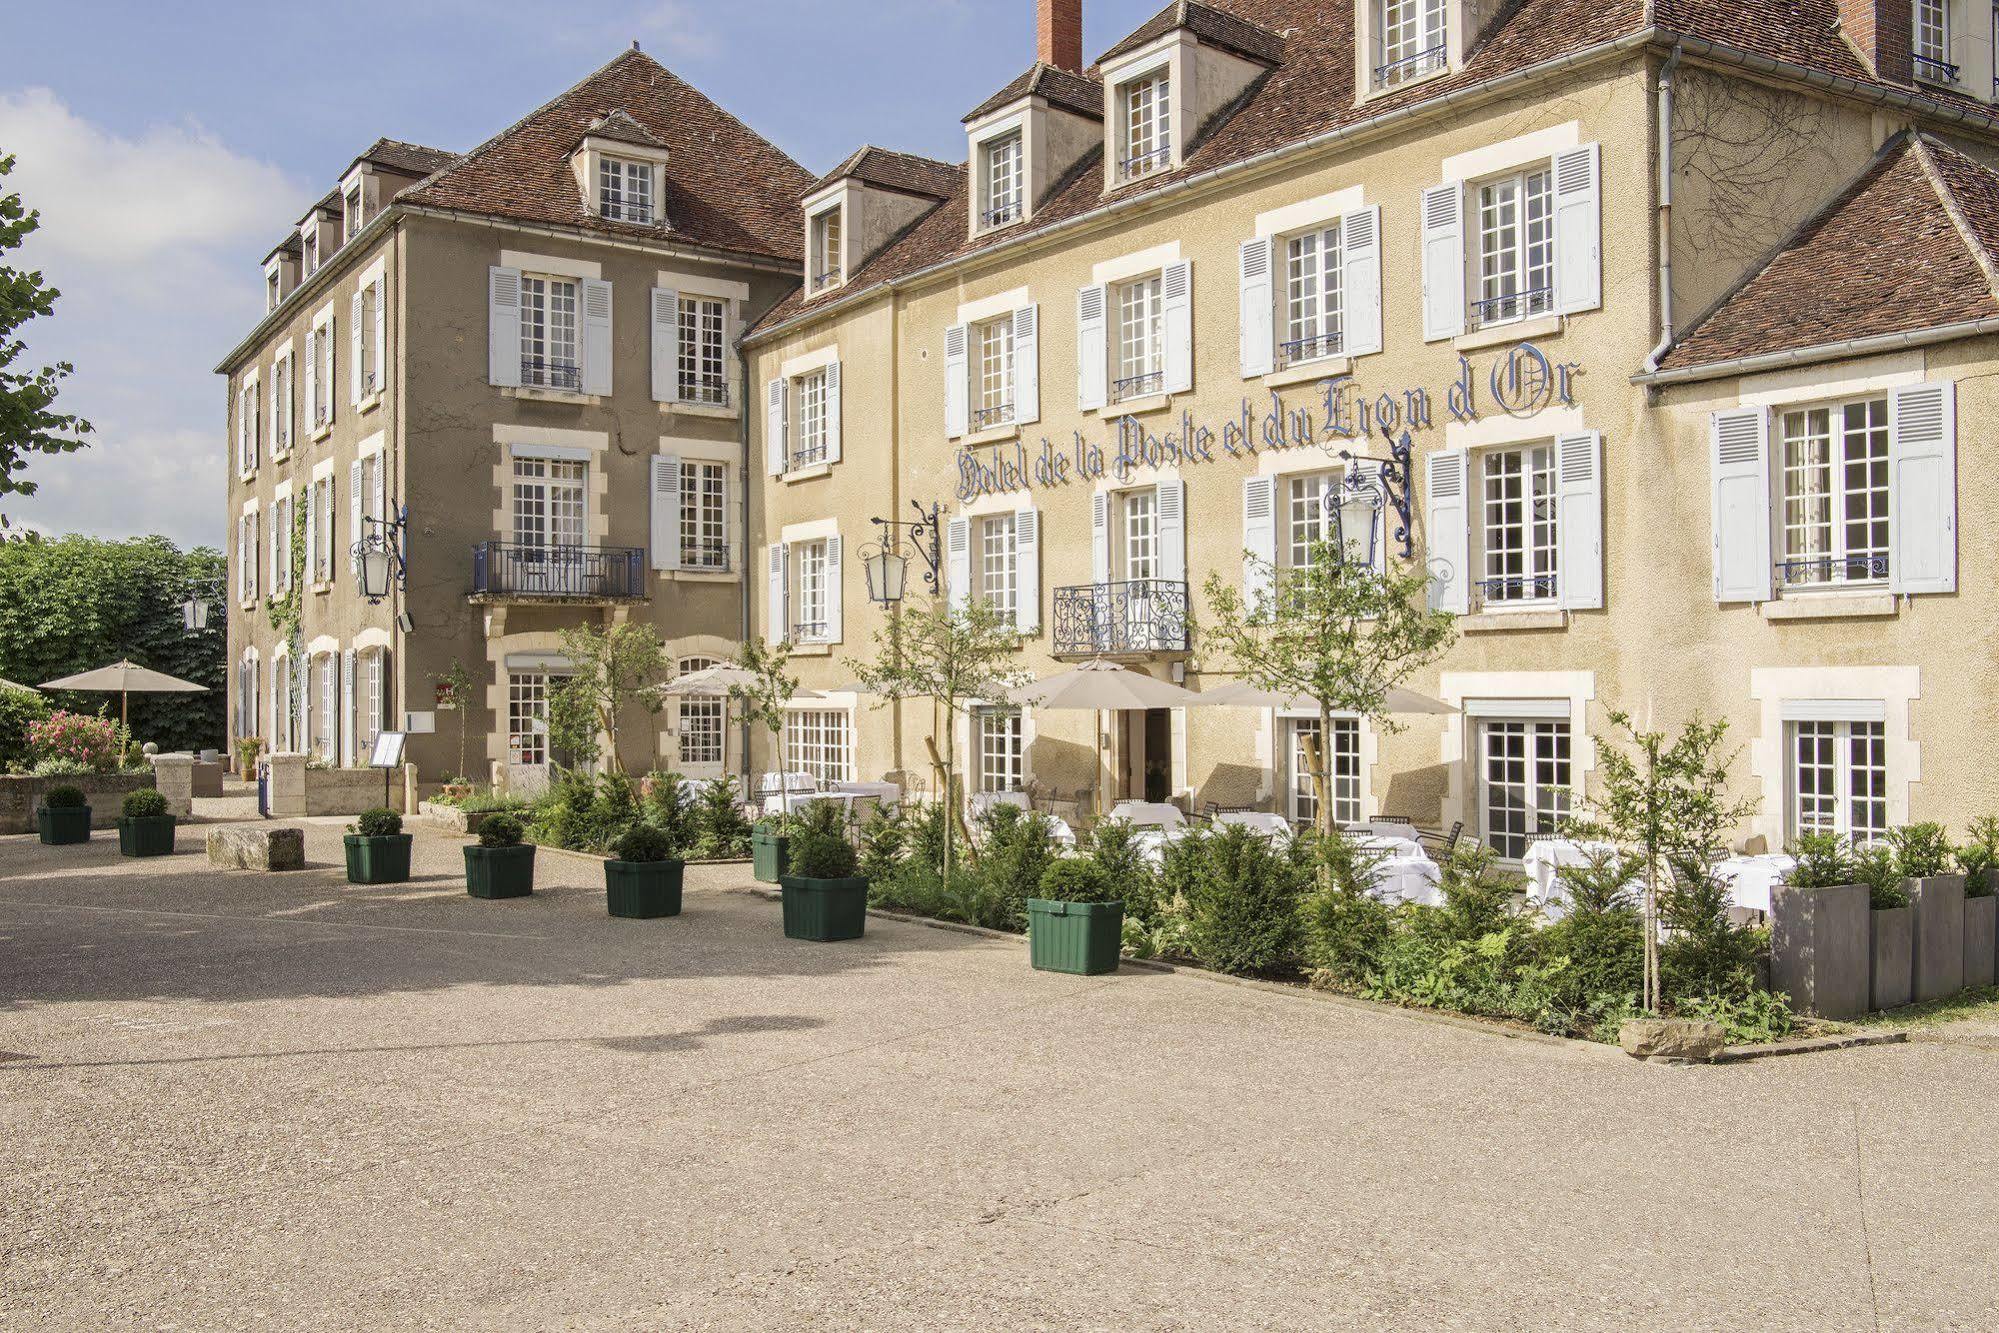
(1144, 130)
(999, 742)
(700, 354)
(999, 562)
(249, 424)
(1509, 280)
(374, 670)
(1542, 803)
(1929, 41)
(550, 505)
(811, 591)
(704, 516)
(826, 248)
(1003, 178)
(283, 383)
(991, 368)
(326, 707)
(1806, 570)
(1139, 548)
(1841, 806)
(1314, 295)
(705, 717)
(319, 412)
(1343, 771)
(1524, 571)
(527, 718)
(322, 529)
(547, 326)
(1410, 41)
(811, 431)
(820, 742)
(1138, 348)
(626, 190)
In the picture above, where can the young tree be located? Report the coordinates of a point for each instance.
(953, 656)
(1663, 803)
(1336, 631)
(763, 699)
(28, 425)
(458, 683)
(614, 670)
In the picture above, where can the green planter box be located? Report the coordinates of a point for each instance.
(642, 890)
(768, 853)
(60, 828)
(146, 835)
(1081, 938)
(499, 872)
(823, 910)
(380, 860)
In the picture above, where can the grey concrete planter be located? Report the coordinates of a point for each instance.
(1819, 948)
(1891, 970)
(1938, 937)
(1981, 940)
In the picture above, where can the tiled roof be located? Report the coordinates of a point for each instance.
(621, 128)
(1071, 92)
(725, 188)
(1217, 27)
(1884, 256)
(288, 246)
(891, 170)
(405, 159)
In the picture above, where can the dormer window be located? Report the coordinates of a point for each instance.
(273, 288)
(354, 218)
(1412, 40)
(1146, 124)
(1930, 42)
(624, 190)
(825, 260)
(1004, 180)
(312, 251)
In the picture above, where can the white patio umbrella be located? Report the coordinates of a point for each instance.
(711, 681)
(1241, 694)
(126, 678)
(1098, 686)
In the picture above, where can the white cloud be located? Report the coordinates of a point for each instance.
(154, 242)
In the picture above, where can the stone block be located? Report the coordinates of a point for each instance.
(286, 779)
(207, 777)
(1981, 940)
(1937, 956)
(174, 773)
(1891, 968)
(256, 847)
(1819, 948)
(105, 793)
(1672, 1039)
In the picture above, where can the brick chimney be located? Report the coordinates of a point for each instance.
(1882, 31)
(1058, 32)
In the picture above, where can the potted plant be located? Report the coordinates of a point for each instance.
(64, 817)
(1891, 928)
(378, 851)
(1077, 924)
(1819, 929)
(1979, 860)
(825, 897)
(770, 843)
(499, 865)
(643, 878)
(144, 826)
(248, 750)
(1924, 856)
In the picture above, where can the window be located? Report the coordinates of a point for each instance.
(363, 499)
(817, 741)
(1834, 494)
(281, 533)
(704, 540)
(246, 556)
(1003, 180)
(1314, 303)
(370, 351)
(1139, 530)
(281, 406)
(1931, 42)
(624, 190)
(809, 391)
(548, 334)
(1516, 248)
(371, 698)
(312, 250)
(321, 407)
(702, 720)
(1839, 779)
(281, 707)
(809, 601)
(527, 719)
(1140, 340)
(249, 426)
(353, 214)
(1519, 530)
(1146, 108)
(1342, 758)
(322, 530)
(703, 376)
(326, 733)
(1305, 517)
(825, 258)
(1410, 40)
(992, 379)
(549, 504)
(1526, 782)
(273, 289)
(999, 576)
(1000, 743)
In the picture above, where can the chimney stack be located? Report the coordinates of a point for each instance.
(1058, 31)
(1882, 31)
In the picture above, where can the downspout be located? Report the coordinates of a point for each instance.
(743, 364)
(1665, 342)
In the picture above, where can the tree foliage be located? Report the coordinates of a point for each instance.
(614, 672)
(29, 423)
(764, 699)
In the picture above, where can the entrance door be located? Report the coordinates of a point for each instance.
(1156, 754)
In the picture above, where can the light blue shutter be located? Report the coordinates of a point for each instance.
(1092, 352)
(1741, 510)
(1922, 488)
(1027, 364)
(1100, 537)
(1579, 488)
(356, 529)
(665, 345)
(774, 441)
(957, 381)
(833, 413)
(666, 534)
(354, 327)
(958, 561)
(836, 624)
(1176, 317)
(1259, 538)
(1173, 531)
(1258, 309)
(346, 709)
(775, 586)
(1027, 570)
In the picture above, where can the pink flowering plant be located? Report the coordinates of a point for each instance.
(89, 743)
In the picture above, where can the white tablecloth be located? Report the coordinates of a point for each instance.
(1750, 878)
(885, 793)
(1544, 858)
(1274, 827)
(793, 802)
(1150, 814)
(1405, 874)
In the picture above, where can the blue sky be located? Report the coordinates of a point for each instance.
(169, 145)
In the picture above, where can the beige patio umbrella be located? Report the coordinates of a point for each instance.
(6, 684)
(126, 678)
(711, 681)
(1241, 694)
(1098, 686)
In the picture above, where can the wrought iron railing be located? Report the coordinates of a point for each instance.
(620, 209)
(1831, 569)
(1139, 616)
(1933, 69)
(707, 390)
(517, 569)
(821, 281)
(985, 418)
(1514, 305)
(543, 372)
(1001, 216)
(1509, 588)
(368, 383)
(1300, 350)
(321, 415)
(707, 554)
(1144, 164)
(1408, 67)
(1137, 386)
(809, 631)
(807, 455)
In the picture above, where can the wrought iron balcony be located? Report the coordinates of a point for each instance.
(1000, 216)
(1932, 70)
(541, 372)
(821, 281)
(1121, 619)
(1409, 67)
(1300, 350)
(986, 418)
(619, 208)
(1513, 305)
(1144, 164)
(809, 631)
(1138, 386)
(368, 384)
(704, 555)
(558, 573)
(807, 456)
(1832, 569)
(706, 390)
(1510, 588)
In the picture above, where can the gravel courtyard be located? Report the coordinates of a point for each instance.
(232, 1100)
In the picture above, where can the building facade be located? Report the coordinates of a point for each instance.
(518, 366)
(1685, 314)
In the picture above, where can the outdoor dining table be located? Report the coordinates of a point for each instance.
(1547, 856)
(1150, 814)
(1405, 874)
(883, 793)
(1274, 827)
(1750, 878)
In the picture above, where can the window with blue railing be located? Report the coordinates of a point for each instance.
(1514, 276)
(1519, 528)
(1003, 181)
(549, 356)
(1145, 129)
(1930, 42)
(825, 256)
(1314, 299)
(1409, 39)
(1834, 494)
(1141, 338)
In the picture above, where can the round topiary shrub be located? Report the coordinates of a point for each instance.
(64, 798)
(500, 831)
(380, 822)
(1078, 880)
(145, 803)
(816, 854)
(642, 844)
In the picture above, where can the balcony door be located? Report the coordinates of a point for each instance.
(550, 521)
